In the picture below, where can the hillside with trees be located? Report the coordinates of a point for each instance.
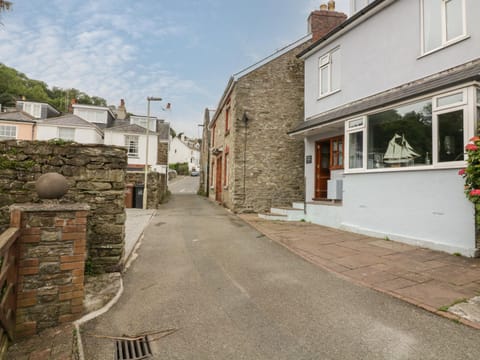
(14, 85)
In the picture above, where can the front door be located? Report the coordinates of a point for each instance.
(322, 168)
(218, 180)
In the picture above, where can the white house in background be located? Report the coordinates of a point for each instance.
(102, 116)
(391, 99)
(132, 133)
(184, 151)
(70, 128)
(38, 110)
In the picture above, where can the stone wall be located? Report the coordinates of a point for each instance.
(96, 176)
(162, 153)
(271, 172)
(155, 186)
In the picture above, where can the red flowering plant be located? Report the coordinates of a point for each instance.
(471, 173)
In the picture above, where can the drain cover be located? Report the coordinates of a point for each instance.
(134, 349)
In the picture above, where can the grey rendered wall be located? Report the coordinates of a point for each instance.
(436, 212)
(384, 52)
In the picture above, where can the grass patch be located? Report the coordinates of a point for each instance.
(446, 307)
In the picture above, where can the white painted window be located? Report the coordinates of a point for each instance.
(66, 133)
(357, 5)
(131, 142)
(143, 121)
(429, 132)
(33, 109)
(443, 23)
(329, 73)
(8, 132)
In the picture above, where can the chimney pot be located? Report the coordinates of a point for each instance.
(331, 5)
(323, 7)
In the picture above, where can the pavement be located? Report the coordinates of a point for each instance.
(443, 284)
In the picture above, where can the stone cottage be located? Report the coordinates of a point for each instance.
(254, 164)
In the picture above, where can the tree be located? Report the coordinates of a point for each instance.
(5, 5)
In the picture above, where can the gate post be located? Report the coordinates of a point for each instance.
(52, 252)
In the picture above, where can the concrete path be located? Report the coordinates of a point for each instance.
(430, 279)
(232, 293)
(136, 222)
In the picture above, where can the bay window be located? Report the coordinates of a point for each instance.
(443, 22)
(424, 133)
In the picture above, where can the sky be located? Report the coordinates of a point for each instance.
(183, 51)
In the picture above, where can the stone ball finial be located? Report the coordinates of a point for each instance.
(51, 186)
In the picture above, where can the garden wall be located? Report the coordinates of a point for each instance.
(96, 176)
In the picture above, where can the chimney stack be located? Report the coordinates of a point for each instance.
(321, 22)
(121, 110)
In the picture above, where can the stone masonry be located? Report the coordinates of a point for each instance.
(254, 164)
(96, 176)
(51, 252)
(155, 186)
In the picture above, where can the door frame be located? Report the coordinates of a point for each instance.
(218, 179)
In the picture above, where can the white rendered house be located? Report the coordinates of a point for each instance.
(391, 98)
(182, 151)
(70, 128)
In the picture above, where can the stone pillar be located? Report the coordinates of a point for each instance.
(52, 252)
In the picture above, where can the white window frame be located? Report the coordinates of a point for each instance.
(63, 137)
(143, 121)
(136, 139)
(445, 41)
(468, 105)
(325, 62)
(356, 7)
(6, 132)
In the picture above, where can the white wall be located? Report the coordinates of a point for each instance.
(179, 152)
(419, 207)
(82, 135)
(92, 115)
(384, 52)
(118, 139)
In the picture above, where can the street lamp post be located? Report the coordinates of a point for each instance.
(147, 133)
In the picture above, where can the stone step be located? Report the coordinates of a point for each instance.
(284, 210)
(298, 205)
(270, 216)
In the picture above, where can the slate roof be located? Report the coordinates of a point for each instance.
(448, 78)
(163, 128)
(129, 128)
(69, 120)
(17, 116)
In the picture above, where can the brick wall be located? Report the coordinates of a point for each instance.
(52, 252)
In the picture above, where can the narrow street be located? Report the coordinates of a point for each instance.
(231, 293)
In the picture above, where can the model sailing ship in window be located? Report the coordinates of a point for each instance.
(399, 152)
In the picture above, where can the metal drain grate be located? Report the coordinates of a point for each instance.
(134, 349)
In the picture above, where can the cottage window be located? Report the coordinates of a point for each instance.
(66, 133)
(329, 73)
(227, 118)
(357, 5)
(431, 132)
(8, 132)
(443, 22)
(131, 142)
(143, 122)
(33, 109)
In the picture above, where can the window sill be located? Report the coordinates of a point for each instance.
(451, 166)
(328, 94)
(133, 157)
(446, 45)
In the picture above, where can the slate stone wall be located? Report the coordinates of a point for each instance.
(265, 165)
(162, 153)
(155, 186)
(96, 176)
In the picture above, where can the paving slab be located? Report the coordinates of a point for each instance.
(427, 278)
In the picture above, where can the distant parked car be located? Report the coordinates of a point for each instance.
(195, 173)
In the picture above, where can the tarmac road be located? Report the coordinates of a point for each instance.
(234, 294)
